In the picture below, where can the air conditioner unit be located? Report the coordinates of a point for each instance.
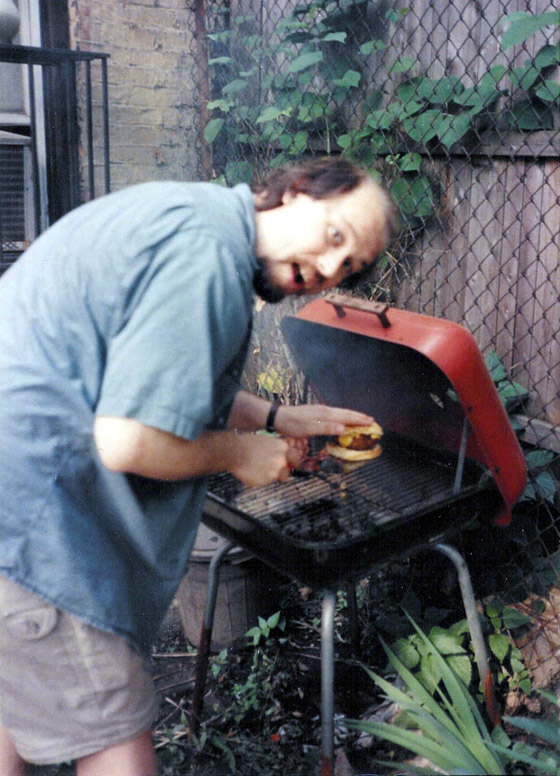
(16, 196)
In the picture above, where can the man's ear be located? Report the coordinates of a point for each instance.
(288, 196)
(295, 189)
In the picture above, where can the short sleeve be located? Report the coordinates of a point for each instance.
(183, 323)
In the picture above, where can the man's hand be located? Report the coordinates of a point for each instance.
(262, 459)
(306, 420)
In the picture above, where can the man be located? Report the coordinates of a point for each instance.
(123, 332)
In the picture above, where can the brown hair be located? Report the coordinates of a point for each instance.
(319, 178)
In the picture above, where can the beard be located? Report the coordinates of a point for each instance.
(263, 286)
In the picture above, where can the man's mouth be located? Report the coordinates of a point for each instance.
(306, 285)
(298, 277)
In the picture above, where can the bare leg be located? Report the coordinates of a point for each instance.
(11, 763)
(133, 758)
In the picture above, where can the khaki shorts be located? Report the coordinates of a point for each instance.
(66, 689)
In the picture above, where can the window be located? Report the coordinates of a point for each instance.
(53, 103)
(23, 196)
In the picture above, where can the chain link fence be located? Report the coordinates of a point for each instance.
(455, 107)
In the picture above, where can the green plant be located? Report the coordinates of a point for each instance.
(453, 734)
(443, 724)
(265, 112)
(511, 667)
(263, 629)
(541, 482)
(534, 108)
(454, 644)
(543, 756)
(252, 695)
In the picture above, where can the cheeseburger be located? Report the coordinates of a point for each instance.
(358, 443)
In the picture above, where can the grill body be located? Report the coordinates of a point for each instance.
(325, 529)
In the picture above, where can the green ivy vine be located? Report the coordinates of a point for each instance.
(275, 101)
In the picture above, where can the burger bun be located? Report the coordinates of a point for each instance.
(348, 454)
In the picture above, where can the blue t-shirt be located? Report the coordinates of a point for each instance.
(136, 305)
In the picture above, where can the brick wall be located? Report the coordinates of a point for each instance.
(152, 95)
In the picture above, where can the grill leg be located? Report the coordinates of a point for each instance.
(206, 636)
(327, 682)
(476, 631)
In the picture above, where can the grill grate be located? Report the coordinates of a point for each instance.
(338, 508)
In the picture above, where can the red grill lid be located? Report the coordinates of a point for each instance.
(418, 376)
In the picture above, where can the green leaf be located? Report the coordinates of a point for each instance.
(547, 56)
(299, 143)
(513, 618)
(414, 197)
(440, 91)
(407, 652)
(408, 108)
(509, 389)
(451, 129)
(395, 14)
(499, 644)
(379, 119)
(340, 37)
(462, 666)
(442, 756)
(273, 620)
(525, 76)
(223, 105)
(402, 65)
(537, 458)
(239, 172)
(345, 141)
(521, 757)
(212, 129)
(235, 86)
(495, 366)
(546, 486)
(548, 731)
(410, 162)
(422, 126)
(523, 25)
(459, 628)
(372, 45)
(304, 61)
(350, 79)
(271, 113)
(549, 91)
(220, 61)
(446, 642)
(220, 37)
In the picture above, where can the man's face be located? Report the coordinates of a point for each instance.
(307, 245)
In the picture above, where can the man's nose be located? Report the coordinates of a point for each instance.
(329, 264)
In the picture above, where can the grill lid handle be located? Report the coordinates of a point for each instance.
(339, 302)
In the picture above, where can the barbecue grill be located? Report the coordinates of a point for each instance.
(450, 458)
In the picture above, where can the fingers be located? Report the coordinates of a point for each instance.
(307, 420)
(261, 460)
(298, 448)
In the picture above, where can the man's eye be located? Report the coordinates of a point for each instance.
(335, 236)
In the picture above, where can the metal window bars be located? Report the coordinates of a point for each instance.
(65, 133)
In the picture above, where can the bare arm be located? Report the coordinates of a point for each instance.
(126, 445)
(250, 412)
